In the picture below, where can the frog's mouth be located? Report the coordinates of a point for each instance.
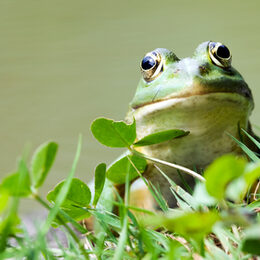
(196, 108)
(200, 89)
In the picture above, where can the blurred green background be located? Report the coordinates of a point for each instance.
(64, 63)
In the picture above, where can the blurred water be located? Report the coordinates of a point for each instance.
(64, 63)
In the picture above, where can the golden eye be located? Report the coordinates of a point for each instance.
(151, 66)
(220, 54)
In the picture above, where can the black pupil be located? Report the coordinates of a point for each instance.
(147, 63)
(223, 52)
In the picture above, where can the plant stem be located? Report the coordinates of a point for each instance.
(172, 165)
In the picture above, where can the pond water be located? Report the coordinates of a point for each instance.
(64, 63)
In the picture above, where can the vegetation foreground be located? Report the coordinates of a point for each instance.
(220, 220)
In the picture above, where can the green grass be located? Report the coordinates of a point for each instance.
(220, 220)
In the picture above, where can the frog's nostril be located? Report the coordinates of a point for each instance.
(203, 70)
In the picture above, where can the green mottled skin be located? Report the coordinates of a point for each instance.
(195, 95)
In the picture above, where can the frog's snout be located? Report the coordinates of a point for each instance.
(188, 66)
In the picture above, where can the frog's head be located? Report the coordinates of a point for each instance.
(209, 70)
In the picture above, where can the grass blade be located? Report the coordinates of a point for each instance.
(63, 192)
(123, 235)
(252, 139)
(184, 195)
(250, 153)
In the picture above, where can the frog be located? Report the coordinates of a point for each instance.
(203, 95)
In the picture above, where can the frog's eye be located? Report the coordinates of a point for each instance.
(220, 54)
(151, 66)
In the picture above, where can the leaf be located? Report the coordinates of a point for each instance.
(221, 172)
(118, 170)
(238, 188)
(191, 224)
(176, 250)
(78, 195)
(107, 197)
(42, 161)
(201, 195)
(113, 133)
(251, 242)
(17, 184)
(100, 177)
(153, 241)
(107, 218)
(9, 226)
(4, 199)
(254, 205)
(252, 173)
(160, 137)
